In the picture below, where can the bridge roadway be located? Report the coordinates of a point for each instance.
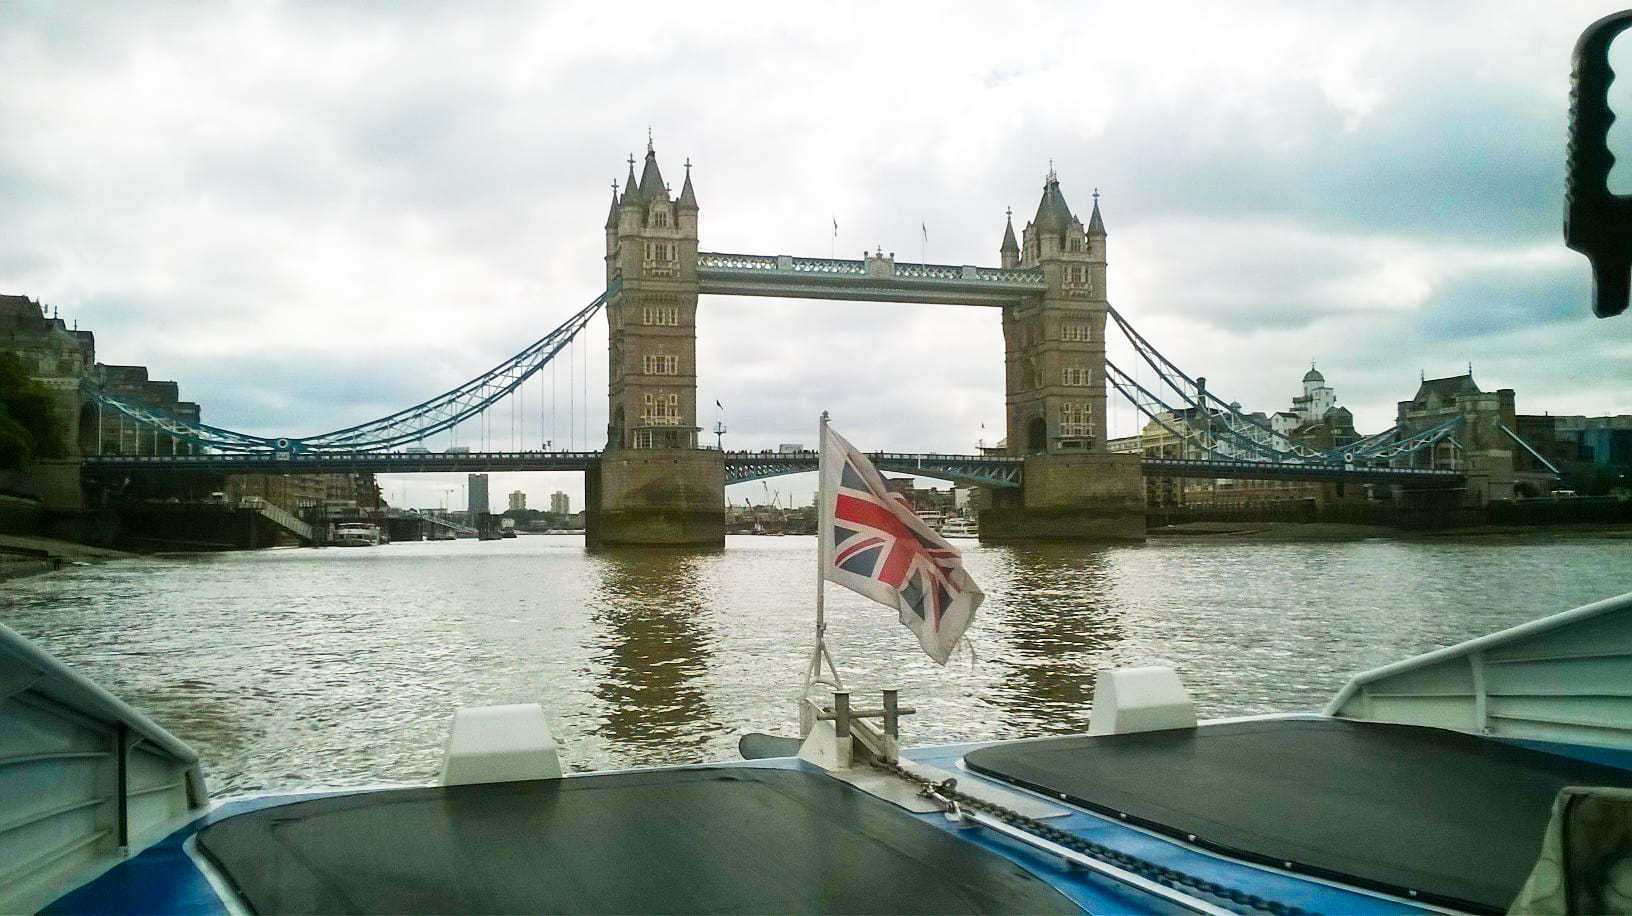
(995, 471)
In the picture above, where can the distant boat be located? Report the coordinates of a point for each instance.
(356, 534)
(960, 528)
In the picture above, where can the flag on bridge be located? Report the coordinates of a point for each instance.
(873, 543)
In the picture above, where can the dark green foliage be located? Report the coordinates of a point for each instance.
(526, 517)
(29, 425)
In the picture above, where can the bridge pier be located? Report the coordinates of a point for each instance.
(656, 497)
(59, 482)
(1088, 497)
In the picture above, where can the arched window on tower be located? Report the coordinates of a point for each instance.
(660, 218)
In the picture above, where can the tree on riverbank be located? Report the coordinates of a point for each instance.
(29, 426)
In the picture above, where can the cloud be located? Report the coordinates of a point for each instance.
(310, 214)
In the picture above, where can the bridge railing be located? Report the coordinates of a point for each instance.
(329, 456)
(709, 260)
(827, 266)
(811, 455)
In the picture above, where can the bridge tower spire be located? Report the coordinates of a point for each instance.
(654, 484)
(1009, 251)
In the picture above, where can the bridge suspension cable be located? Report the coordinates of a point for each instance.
(454, 406)
(1172, 419)
(1266, 440)
(1226, 432)
(441, 413)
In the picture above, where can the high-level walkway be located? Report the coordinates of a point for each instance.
(877, 279)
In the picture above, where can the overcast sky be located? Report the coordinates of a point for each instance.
(312, 215)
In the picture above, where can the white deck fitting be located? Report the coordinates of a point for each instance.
(500, 744)
(1566, 678)
(83, 777)
(1128, 700)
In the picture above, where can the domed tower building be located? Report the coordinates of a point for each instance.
(1317, 398)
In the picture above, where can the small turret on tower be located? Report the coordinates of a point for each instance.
(612, 231)
(631, 191)
(1009, 251)
(688, 197)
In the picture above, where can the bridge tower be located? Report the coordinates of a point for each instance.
(654, 484)
(1054, 374)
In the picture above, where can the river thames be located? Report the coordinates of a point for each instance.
(301, 667)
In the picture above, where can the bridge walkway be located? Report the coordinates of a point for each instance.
(994, 471)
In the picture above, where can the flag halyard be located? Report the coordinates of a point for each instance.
(875, 545)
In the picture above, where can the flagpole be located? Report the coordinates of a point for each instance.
(819, 653)
(821, 547)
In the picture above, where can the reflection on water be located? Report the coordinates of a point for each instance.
(651, 646)
(1058, 619)
(343, 667)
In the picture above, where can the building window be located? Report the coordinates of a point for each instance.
(1075, 376)
(1076, 243)
(1074, 331)
(658, 409)
(1074, 419)
(659, 364)
(661, 251)
(1076, 275)
(660, 219)
(661, 315)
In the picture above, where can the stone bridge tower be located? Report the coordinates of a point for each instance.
(654, 485)
(1054, 346)
(1054, 382)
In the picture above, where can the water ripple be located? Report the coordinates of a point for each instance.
(300, 667)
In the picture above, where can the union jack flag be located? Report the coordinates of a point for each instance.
(874, 544)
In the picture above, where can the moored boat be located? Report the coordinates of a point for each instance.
(356, 534)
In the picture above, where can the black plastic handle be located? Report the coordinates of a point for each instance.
(1597, 223)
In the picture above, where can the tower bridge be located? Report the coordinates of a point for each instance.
(652, 483)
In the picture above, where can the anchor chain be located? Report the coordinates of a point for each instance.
(946, 793)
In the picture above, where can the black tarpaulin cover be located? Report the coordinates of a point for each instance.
(1455, 817)
(665, 841)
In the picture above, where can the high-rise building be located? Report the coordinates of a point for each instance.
(518, 501)
(478, 494)
(560, 504)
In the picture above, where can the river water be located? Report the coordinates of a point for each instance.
(342, 667)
